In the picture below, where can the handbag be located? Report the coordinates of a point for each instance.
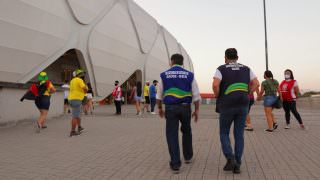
(278, 104)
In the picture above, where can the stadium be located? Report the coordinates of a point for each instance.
(110, 39)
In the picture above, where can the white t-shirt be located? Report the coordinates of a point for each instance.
(66, 89)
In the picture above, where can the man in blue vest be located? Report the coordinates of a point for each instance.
(231, 87)
(177, 90)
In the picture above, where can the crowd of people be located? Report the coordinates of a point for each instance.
(234, 86)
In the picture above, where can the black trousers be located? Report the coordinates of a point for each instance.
(118, 106)
(291, 106)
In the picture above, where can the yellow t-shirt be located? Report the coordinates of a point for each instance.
(146, 91)
(76, 89)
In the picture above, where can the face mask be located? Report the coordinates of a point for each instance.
(287, 76)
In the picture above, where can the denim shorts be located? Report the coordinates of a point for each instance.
(138, 98)
(268, 101)
(75, 108)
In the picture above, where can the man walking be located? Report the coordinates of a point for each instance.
(177, 90)
(78, 89)
(231, 87)
(152, 95)
(146, 96)
(117, 94)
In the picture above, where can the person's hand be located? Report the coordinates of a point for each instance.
(161, 113)
(195, 115)
(259, 98)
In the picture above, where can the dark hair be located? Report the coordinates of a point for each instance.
(231, 54)
(139, 88)
(177, 59)
(89, 85)
(154, 81)
(117, 82)
(268, 74)
(288, 70)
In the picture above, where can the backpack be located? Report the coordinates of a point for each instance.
(42, 88)
(35, 91)
(114, 92)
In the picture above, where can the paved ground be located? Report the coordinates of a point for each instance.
(132, 148)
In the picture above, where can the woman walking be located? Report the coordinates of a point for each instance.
(290, 90)
(45, 89)
(269, 89)
(137, 94)
(89, 105)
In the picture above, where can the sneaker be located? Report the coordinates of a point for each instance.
(268, 130)
(80, 129)
(248, 129)
(153, 113)
(236, 169)
(189, 161)
(275, 126)
(44, 127)
(69, 111)
(74, 133)
(175, 169)
(229, 165)
(287, 126)
(37, 126)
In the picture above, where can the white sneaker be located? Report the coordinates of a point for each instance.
(153, 113)
(287, 127)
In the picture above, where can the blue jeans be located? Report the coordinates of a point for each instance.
(153, 102)
(227, 117)
(175, 114)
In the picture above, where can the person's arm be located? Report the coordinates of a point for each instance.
(255, 86)
(52, 88)
(83, 86)
(296, 89)
(261, 93)
(196, 100)
(132, 93)
(279, 90)
(216, 87)
(216, 83)
(159, 99)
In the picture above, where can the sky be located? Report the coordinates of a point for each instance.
(206, 28)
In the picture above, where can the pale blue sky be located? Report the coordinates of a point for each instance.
(207, 27)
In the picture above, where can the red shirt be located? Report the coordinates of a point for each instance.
(287, 90)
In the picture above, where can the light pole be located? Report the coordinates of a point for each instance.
(265, 34)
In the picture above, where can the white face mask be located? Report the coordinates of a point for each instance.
(287, 76)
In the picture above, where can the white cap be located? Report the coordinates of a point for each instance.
(74, 73)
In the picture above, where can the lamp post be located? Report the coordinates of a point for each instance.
(265, 35)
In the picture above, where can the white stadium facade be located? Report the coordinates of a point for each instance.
(110, 39)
